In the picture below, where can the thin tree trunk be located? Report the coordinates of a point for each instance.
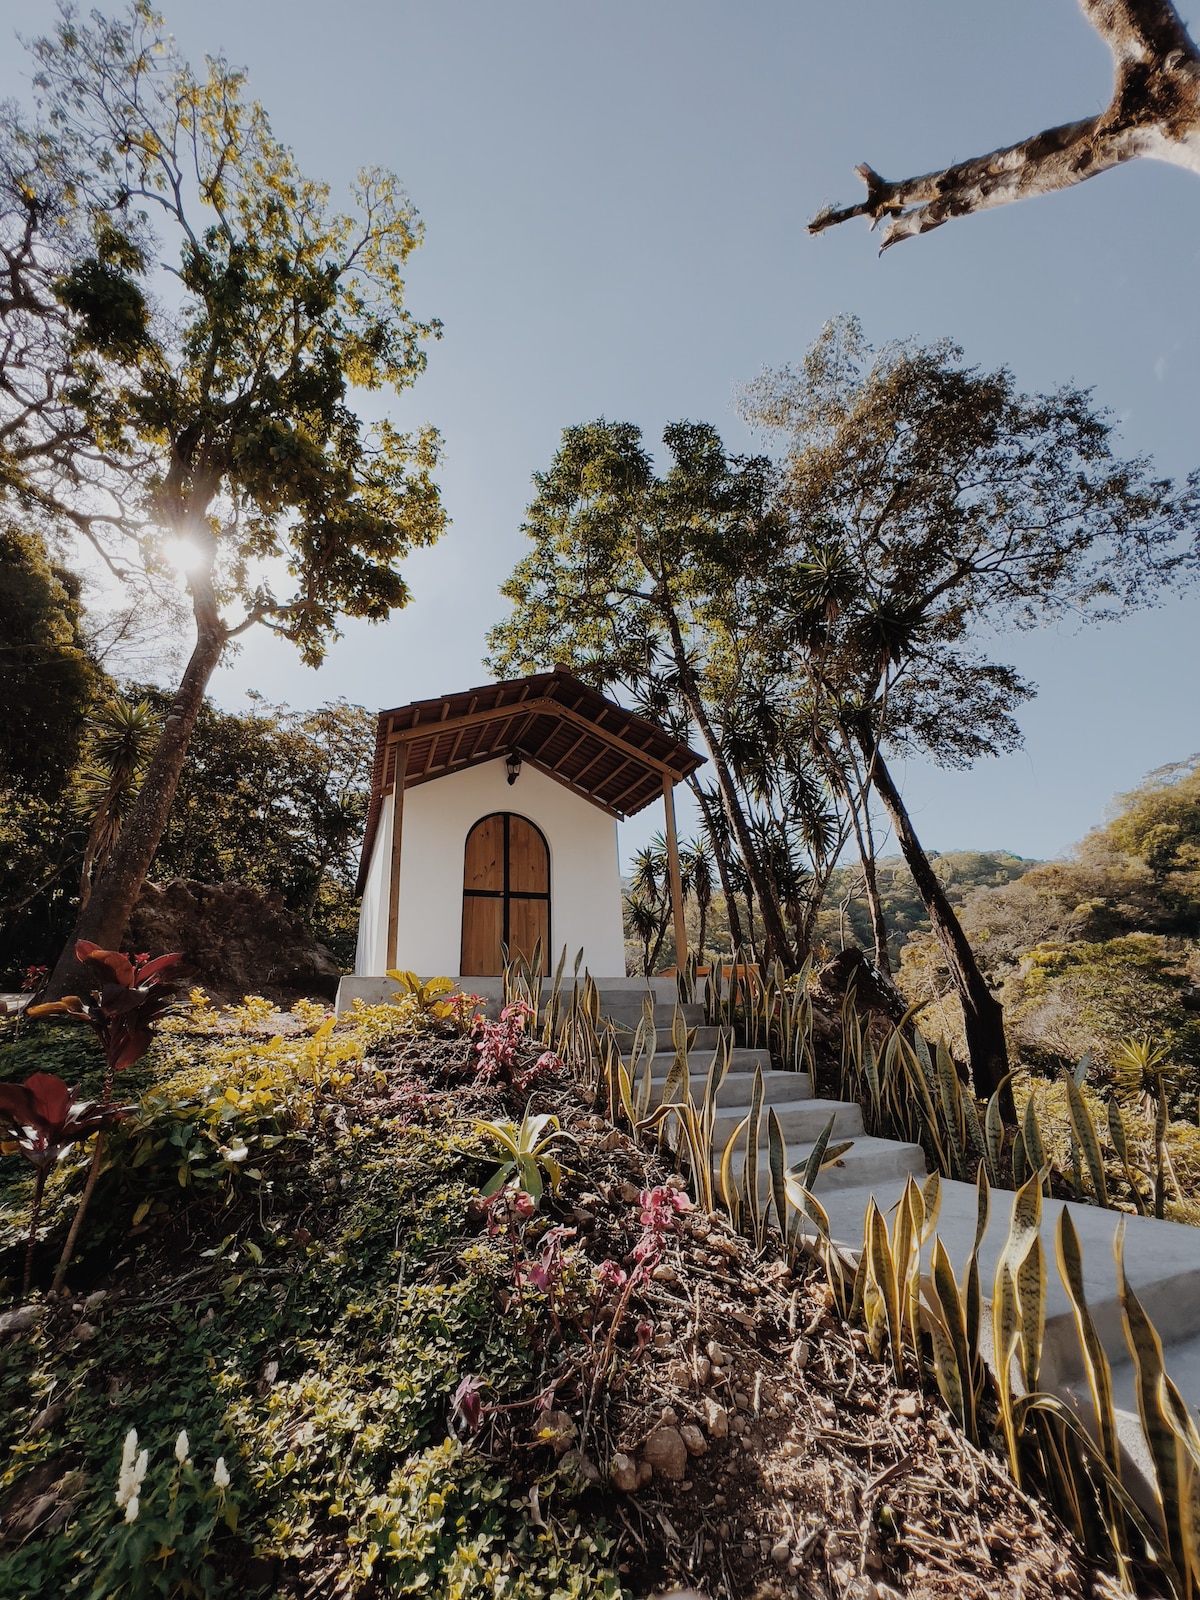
(94, 852)
(64, 1261)
(105, 917)
(879, 932)
(774, 932)
(39, 1185)
(866, 855)
(983, 1014)
(718, 844)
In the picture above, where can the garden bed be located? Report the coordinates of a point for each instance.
(290, 1260)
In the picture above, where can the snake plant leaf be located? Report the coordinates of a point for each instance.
(1146, 1348)
(729, 1193)
(972, 1292)
(626, 1093)
(1084, 1130)
(993, 1125)
(950, 1091)
(1099, 1374)
(1031, 1291)
(777, 1160)
(750, 1166)
(817, 1154)
(1020, 1164)
(883, 1272)
(931, 1199)
(1006, 1307)
(958, 1378)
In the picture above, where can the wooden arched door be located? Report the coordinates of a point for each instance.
(506, 893)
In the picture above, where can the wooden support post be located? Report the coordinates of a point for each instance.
(681, 949)
(393, 922)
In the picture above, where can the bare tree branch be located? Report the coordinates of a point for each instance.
(1154, 111)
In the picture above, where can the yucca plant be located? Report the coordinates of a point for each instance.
(1141, 1078)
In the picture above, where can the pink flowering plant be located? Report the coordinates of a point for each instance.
(500, 1046)
(660, 1210)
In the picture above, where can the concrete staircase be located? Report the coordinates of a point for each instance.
(1162, 1259)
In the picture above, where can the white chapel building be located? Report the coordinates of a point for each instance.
(493, 822)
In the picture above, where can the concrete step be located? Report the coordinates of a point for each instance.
(625, 1015)
(706, 1038)
(800, 1121)
(1162, 1262)
(738, 1087)
(699, 1062)
(869, 1165)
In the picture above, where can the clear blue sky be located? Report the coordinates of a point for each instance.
(615, 196)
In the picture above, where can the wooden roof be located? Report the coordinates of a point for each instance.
(588, 743)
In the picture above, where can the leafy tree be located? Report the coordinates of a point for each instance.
(276, 799)
(1158, 826)
(1136, 874)
(218, 312)
(960, 872)
(648, 581)
(47, 674)
(933, 504)
(1070, 1000)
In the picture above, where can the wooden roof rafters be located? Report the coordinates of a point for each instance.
(594, 747)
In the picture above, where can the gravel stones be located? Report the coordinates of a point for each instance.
(716, 1420)
(693, 1438)
(667, 1453)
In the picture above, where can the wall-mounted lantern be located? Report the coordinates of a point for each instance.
(512, 764)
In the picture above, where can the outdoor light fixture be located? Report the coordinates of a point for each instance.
(512, 763)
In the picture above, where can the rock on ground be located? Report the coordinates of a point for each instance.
(240, 940)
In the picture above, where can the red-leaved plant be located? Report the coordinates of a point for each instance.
(132, 994)
(45, 1120)
(497, 1044)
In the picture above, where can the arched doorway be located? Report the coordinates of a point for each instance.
(506, 893)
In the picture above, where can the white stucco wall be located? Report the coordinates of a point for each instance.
(585, 885)
(370, 956)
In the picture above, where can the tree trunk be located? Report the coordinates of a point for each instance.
(718, 844)
(774, 933)
(866, 856)
(983, 1014)
(95, 851)
(105, 917)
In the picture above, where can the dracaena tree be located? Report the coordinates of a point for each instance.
(933, 505)
(199, 328)
(646, 580)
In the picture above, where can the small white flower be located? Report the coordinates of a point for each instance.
(220, 1474)
(181, 1446)
(133, 1469)
(131, 1510)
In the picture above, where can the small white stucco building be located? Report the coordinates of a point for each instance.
(493, 823)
